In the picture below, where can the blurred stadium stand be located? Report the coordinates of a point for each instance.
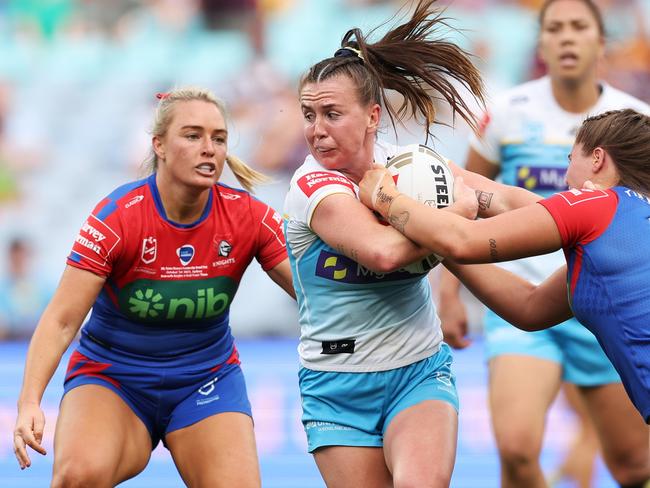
(77, 86)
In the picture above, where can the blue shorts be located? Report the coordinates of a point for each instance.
(165, 399)
(354, 409)
(570, 344)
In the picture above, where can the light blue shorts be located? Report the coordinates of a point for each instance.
(570, 344)
(354, 409)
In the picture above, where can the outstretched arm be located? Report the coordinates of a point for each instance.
(494, 198)
(527, 231)
(527, 306)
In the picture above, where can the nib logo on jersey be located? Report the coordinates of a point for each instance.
(172, 301)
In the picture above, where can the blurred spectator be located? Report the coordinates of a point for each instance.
(628, 61)
(243, 15)
(23, 294)
(44, 17)
(265, 110)
(17, 155)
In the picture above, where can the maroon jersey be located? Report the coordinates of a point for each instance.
(169, 286)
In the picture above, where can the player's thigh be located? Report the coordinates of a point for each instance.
(622, 431)
(416, 436)
(521, 390)
(346, 466)
(98, 437)
(219, 451)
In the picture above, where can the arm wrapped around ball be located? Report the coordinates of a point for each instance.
(502, 238)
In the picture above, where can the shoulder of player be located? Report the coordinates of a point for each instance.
(613, 98)
(519, 95)
(125, 198)
(573, 197)
(234, 198)
(311, 176)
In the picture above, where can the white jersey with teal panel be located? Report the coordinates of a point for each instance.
(530, 137)
(352, 319)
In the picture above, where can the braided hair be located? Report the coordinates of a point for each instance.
(625, 136)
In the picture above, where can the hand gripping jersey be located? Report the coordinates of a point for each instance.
(606, 239)
(351, 318)
(169, 286)
(530, 136)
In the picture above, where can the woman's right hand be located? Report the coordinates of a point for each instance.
(465, 200)
(28, 432)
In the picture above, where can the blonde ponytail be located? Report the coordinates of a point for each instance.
(247, 176)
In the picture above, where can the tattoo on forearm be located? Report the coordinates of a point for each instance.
(383, 197)
(484, 199)
(351, 253)
(399, 221)
(494, 254)
(354, 254)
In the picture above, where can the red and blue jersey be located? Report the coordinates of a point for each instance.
(606, 240)
(169, 286)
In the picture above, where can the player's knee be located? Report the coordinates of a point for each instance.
(630, 469)
(413, 479)
(517, 450)
(80, 475)
(640, 484)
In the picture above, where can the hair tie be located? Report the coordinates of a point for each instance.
(162, 96)
(348, 51)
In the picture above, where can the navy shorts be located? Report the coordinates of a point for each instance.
(165, 399)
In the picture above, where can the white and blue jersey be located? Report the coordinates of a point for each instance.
(352, 319)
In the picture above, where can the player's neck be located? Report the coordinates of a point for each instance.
(183, 205)
(576, 97)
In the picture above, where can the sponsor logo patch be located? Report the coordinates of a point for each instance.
(538, 179)
(224, 248)
(156, 301)
(134, 200)
(345, 346)
(273, 221)
(95, 241)
(185, 254)
(149, 250)
(574, 196)
(343, 269)
(311, 182)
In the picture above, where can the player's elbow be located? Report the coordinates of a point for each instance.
(385, 261)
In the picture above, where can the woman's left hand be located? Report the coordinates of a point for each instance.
(377, 189)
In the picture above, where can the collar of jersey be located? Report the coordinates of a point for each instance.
(161, 210)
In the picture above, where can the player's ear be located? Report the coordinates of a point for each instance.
(157, 145)
(598, 156)
(375, 114)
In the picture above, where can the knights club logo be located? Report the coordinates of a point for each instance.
(149, 250)
(185, 253)
(224, 248)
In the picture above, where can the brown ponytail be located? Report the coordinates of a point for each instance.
(409, 61)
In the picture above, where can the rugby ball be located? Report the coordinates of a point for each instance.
(426, 177)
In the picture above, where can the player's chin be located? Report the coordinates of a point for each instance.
(202, 182)
(328, 159)
(573, 74)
